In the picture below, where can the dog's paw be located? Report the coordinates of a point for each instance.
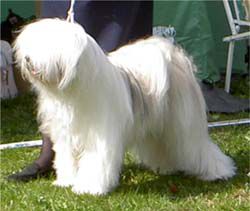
(62, 183)
(88, 190)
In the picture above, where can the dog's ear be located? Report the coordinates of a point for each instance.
(68, 62)
(66, 75)
(67, 66)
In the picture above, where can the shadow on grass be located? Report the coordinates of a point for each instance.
(143, 181)
(137, 180)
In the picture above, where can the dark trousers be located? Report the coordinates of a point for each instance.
(111, 23)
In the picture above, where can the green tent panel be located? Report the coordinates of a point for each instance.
(23, 8)
(200, 27)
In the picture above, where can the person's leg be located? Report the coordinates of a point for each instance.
(45, 159)
(39, 167)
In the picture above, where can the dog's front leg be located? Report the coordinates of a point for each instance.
(64, 164)
(99, 167)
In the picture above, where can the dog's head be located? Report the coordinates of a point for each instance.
(48, 51)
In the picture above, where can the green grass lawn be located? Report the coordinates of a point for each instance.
(139, 189)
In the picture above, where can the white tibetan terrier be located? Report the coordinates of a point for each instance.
(144, 97)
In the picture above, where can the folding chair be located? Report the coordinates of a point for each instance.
(236, 23)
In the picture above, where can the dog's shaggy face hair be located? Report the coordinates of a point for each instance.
(143, 96)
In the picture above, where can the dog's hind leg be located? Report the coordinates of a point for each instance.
(189, 146)
(214, 164)
(188, 138)
(153, 154)
(199, 156)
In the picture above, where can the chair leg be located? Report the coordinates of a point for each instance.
(229, 66)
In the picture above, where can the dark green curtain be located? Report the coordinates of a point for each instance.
(22, 8)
